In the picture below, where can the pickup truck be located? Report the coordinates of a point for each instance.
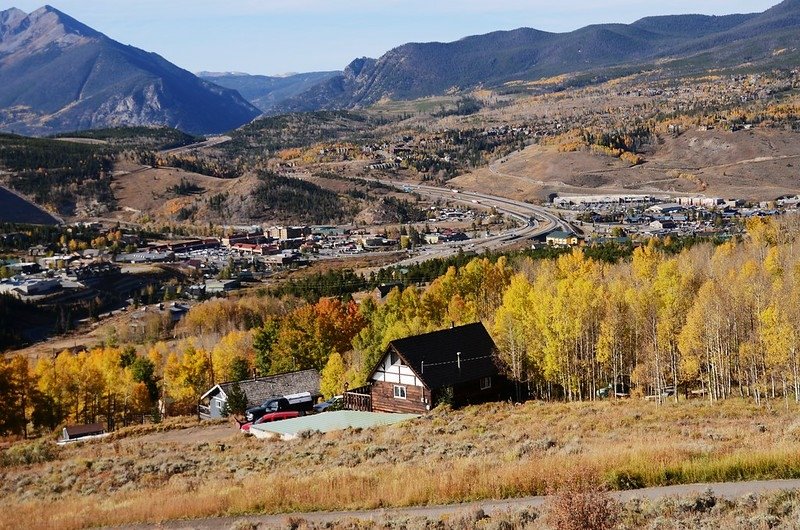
(270, 417)
(303, 401)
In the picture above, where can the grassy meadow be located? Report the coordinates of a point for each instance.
(489, 451)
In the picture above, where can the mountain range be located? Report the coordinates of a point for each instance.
(60, 75)
(267, 92)
(418, 70)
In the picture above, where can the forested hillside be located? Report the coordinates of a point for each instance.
(714, 321)
(57, 174)
(265, 136)
(157, 138)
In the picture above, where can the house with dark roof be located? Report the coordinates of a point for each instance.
(258, 390)
(382, 291)
(459, 365)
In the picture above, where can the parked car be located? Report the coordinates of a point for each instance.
(272, 416)
(619, 390)
(299, 402)
(334, 403)
(667, 391)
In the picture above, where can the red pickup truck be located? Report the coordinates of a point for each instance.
(272, 416)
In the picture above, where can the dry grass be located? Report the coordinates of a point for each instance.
(699, 512)
(490, 451)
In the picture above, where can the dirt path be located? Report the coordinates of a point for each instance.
(729, 490)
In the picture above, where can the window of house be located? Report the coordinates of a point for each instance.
(399, 392)
(486, 383)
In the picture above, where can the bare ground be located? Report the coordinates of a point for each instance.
(756, 165)
(141, 190)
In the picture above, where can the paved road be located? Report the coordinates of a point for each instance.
(729, 490)
(209, 142)
(534, 220)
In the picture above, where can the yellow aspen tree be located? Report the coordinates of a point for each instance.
(512, 331)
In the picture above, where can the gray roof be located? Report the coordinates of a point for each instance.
(260, 389)
(560, 234)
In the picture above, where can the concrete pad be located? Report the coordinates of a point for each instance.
(326, 422)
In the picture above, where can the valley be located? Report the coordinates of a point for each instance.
(567, 256)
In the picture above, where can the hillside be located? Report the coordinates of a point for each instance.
(65, 177)
(266, 92)
(60, 75)
(490, 451)
(693, 42)
(16, 209)
(263, 197)
(757, 165)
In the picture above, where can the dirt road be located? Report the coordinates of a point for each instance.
(730, 490)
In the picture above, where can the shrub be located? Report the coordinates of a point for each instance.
(626, 480)
(27, 454)
(582, 502)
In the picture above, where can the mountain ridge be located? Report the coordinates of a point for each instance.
(62, 75)
(415, 70)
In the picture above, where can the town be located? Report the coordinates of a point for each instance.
(443, 274)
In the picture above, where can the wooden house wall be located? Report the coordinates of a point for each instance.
(470, 392)
(383, 400)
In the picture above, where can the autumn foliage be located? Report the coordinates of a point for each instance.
(710, 322)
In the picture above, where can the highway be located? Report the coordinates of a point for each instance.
(534, 220)
(211, 141)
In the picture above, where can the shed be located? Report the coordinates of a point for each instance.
(76, 432)
(258, 390)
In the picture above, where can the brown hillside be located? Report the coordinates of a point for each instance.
(758, 164)
(139, 191)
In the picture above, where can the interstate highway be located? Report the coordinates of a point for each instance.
(544, 221)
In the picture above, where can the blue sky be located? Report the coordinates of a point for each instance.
(278, 36)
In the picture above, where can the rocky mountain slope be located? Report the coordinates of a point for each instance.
(60, 75)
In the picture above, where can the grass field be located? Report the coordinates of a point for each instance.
(699, 511)
(480, 452)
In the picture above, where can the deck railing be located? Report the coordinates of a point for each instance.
(359, 399)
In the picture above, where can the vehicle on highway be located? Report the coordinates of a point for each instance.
(303, 401)
(272, 416)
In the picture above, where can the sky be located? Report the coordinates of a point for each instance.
(274, 37)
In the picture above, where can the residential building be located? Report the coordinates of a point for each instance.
(458, 365)
(258, 390)
(559, 238)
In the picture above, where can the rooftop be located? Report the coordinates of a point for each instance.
(328, 421)
(449, 356)
(260, 389)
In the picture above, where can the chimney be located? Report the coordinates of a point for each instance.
(452, 324)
